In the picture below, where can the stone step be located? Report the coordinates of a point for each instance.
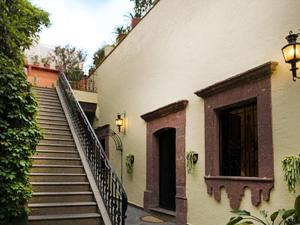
(50, 104)
(63, 147)
(45, 92)
(45, 114)
(62, 208)
(47, 97)
(57, 177)
(44, 89)
(56, 135)
(37, 160)
(40, 96)
(60, 186)
(47, 197)
(52, 122)
(67, 219)
(57, 168)
(51, 107)
(61, 130)
(59, 153)
(60, 118)
(60, 140)
(42, 110)
(48, 100)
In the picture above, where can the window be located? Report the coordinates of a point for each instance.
(238, 135)
(238, 141)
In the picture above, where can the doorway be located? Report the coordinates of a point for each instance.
(167, 168)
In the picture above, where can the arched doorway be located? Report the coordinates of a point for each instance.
(166, 130)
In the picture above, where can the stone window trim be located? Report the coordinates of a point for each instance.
(169, 116)
(252, 84)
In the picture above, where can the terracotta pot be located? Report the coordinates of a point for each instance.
(121, 37)
(135, 21)
(47, 65)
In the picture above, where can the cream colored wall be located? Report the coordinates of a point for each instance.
(182, 47)
(85, 96)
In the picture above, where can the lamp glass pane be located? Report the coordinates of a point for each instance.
(119, 122)
(297, 46)
(291, 52)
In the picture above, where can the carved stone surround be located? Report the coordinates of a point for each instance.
(169, 116)
(252, 84)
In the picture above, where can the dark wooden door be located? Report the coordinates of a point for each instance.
(167, 169)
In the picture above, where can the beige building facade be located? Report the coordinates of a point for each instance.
(184, 65)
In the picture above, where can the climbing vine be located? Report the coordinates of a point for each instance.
(291, 169)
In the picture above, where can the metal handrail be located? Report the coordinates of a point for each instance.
(109, 185)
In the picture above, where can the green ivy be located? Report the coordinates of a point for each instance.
(291, 169)
(19, 135)
(20, 23)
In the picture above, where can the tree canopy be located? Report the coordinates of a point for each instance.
(98, 57)
(70, 60)
(20, 23)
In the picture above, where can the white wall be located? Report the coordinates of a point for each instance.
(182, 47)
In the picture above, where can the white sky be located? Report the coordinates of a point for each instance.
(85, 24)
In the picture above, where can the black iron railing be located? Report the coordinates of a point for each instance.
(108, 183)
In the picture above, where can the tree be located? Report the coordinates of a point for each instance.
(141, 7)
(70, 61)
(98, 57)
(20, 23)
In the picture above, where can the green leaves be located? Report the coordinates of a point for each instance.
(274, 215)
(20, 23)
(70, 61)
(235, 220)
(282, 216)
(291, 169)
(19, 133)
(241, 212)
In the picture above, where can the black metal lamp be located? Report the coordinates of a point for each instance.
(291, 53)
(119, 122)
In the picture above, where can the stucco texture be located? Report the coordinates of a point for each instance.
(184, 46)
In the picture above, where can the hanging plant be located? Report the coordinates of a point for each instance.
(191, 158)
(129, 163)
(291, 169)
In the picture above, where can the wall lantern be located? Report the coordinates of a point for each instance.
(291, 53)
(120, 122)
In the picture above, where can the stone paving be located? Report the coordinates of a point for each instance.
(134, 216)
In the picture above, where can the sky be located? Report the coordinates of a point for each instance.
(85, 24)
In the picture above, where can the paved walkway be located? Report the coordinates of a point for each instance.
(134, 216)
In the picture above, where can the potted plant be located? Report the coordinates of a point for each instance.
(129, 163)
(135, 19)
(35, 60)
(191, 158)
(121, 33)
(291, 169)
(140, 8)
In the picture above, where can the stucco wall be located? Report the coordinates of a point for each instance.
(42, 77)
(84, 96)
(182, 47)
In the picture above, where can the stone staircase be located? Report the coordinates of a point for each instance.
(61, 190)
